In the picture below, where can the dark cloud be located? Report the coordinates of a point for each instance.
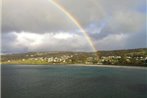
(42, 16)
(111, 24)
(33, 15)
(9, 44)
(137, 40)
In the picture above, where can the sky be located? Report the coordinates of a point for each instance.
(38, 25)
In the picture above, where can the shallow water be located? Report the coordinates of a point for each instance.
(62, 81)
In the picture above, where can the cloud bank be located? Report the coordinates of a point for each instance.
(37, 25)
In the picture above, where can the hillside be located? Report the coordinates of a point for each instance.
(136, 57)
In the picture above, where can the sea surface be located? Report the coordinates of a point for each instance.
(66, 81)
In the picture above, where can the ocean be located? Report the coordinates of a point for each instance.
(69, 81)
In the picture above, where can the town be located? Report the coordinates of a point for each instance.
(124, 57)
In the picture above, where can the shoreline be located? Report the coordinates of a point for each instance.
(85, 65)
(111, 66)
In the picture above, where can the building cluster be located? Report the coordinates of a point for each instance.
(55, 59)
(121, 59)
(62, 59)
(68, 59)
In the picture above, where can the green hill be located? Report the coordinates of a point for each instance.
(135, 57)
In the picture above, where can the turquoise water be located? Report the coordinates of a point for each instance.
(60, 81)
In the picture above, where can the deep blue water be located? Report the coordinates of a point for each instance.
(59, 81)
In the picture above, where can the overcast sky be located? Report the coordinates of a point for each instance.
(38, 25)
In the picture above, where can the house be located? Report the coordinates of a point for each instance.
(9, 61)
(51, 59)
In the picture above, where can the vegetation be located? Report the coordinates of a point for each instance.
(134, 57)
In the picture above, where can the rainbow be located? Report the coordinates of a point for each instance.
(73, 19)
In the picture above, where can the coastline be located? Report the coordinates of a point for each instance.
(85, 65)
(111, 66)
